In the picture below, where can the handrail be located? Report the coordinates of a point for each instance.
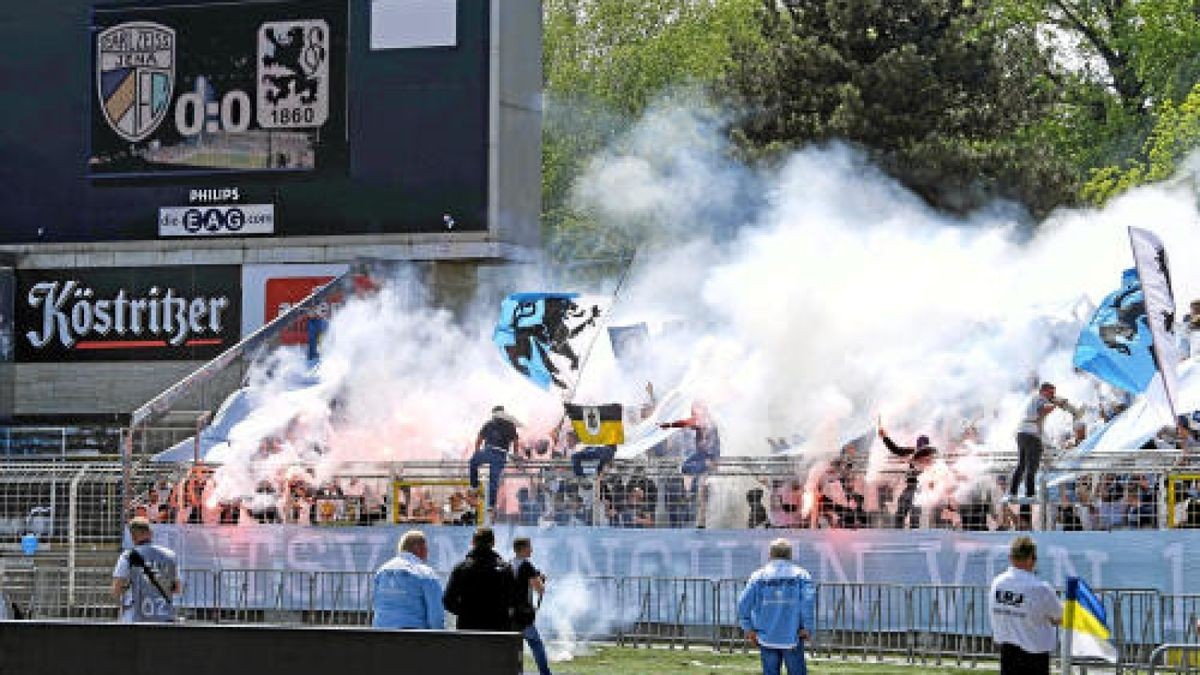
(72, 534)
(161, 403)
(1182, 648)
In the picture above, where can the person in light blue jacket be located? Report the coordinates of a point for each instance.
(776, 611)
(407, 591)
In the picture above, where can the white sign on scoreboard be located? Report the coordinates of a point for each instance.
(216, 220)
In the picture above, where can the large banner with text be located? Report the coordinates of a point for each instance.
(1168, 561)
(189, 312)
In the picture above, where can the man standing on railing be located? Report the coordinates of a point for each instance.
(706, 450)
(1024, 612)
(707, 445)
(1031, 440)
(497, 436)
(145, 578)
(776, 611)
(920, 457)
(407, 593)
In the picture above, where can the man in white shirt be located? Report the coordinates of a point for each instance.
(1031, 440)
(146, 594)
(1024, 612)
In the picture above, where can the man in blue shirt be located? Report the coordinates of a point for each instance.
(776, 611)
(407, 591)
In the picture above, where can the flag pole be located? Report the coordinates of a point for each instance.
(604, 321)
(570, 396)
(1067, 636)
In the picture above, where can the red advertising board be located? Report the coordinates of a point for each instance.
(284, 292)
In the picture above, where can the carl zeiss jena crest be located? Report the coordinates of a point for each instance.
(135, 76)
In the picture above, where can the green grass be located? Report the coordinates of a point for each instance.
(633, 661)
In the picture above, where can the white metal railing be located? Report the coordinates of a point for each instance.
(81, 503)
(920, 625)
(1179, 658)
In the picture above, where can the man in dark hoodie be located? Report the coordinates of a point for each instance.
(919, 457)
(481, 591)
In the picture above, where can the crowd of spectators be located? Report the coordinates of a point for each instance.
(1112, 501)
(915, 486)
(295, 497)
(633, 499)
(835, 494)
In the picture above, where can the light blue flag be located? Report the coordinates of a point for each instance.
(543, 334)
(629, 342)
(1116, 345)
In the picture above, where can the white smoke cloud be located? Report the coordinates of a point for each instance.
(807, 301)
(398, 380)
(845, 297)
(570, 618)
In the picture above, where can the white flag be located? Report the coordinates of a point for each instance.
(1150, 257)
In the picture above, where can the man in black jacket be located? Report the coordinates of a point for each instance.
(496, 439)
(482, 588)
(919, 457)
(529, 580)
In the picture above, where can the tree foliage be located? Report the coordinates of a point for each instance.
(1176, 134)
(1046, 102)
(605, 62)
(942, 97)
(1125, 69)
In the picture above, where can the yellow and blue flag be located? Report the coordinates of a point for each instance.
(1084, 617)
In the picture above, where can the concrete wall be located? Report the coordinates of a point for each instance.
(517, 86)
(115, 388)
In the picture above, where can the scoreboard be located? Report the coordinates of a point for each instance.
(209, 89)
(171, 169)
(170, 120)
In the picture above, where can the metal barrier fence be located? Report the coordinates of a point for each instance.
(33, 592)
(1178, 658)
(59, 442)
(68, 503)
(924, 625)
(675, 611)
(80, 502)
(852, 619)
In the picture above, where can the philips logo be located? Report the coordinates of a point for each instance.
(213, 196)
